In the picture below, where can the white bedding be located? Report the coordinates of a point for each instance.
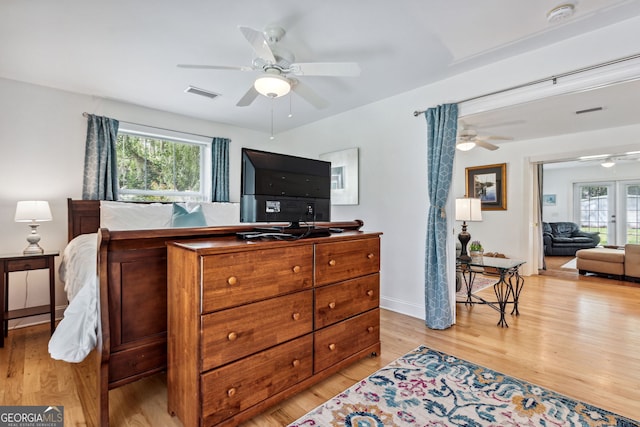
(75, 336)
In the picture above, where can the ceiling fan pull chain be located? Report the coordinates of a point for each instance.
(290, 101)
(272, 137)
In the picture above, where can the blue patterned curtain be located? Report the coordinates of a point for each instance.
(100, 181)
(442, 123)
(220, 170)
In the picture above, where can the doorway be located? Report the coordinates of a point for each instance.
(598, 199)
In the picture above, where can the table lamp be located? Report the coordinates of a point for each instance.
(33, 212)
(467, 209)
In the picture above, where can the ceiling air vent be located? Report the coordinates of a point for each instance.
(201, 92)
(589, 110)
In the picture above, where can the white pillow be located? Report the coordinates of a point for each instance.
(221, 213)
(134, 216)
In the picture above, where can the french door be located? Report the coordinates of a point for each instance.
(610, 208)
(631, 191)
(596, 209)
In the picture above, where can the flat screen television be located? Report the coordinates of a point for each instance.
(283, 188)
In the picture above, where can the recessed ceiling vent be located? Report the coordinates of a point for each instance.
(589, 110)
(560, 13)
(201, 92)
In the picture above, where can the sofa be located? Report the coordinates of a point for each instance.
(566, 238)
(621, 263)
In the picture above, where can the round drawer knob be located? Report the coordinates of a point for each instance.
(231, 392)
(296, 316)
(332, 262)
(296, 269)
(332, 305)
(370, 293)
(232, 280)
(332, 346)
(370, 256)
(295, 363)
(232, 336)
(370, 329)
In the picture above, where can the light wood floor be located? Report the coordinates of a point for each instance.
(578, 337)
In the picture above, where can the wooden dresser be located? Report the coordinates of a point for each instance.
(252, 323)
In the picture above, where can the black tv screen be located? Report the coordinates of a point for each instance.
(282, 188)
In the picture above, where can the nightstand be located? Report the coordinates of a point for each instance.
(18, 262)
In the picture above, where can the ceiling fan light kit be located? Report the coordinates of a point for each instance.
(465, 145)
(608, 163)
(272, 85)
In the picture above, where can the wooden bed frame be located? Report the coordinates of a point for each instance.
(132, 275)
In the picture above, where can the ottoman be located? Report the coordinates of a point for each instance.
(601, 260)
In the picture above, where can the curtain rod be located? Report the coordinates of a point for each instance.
(85, 114)
(550, 78)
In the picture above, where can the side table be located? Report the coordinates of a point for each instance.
(20, 262)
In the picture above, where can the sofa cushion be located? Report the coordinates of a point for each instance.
(602, 254)
(563, 229)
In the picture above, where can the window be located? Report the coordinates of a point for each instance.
(158, 168)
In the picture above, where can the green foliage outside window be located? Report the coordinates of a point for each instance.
(149, 167)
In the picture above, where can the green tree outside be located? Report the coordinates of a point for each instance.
(157, 165)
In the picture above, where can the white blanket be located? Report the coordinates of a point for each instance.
(76, 334)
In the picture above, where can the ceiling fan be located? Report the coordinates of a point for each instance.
(610, 160)
(469, 138)
(278, 69)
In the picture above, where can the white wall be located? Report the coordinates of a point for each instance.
(42, 138)
(42, 158)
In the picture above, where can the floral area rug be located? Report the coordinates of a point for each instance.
(429, 388)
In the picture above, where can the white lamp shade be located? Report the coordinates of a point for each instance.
(468, 209)
(272, 86)
(33, 211)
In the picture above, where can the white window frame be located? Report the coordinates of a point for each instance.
(174, 136)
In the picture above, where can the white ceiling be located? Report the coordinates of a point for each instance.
(128, 50)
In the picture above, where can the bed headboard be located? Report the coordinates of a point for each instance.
(83, 217)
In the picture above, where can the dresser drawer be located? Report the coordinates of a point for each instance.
(237, 278)
(345, 260)
(233, 388)
(234, 333)
(27, 264)
(339, 341)
(346, 299)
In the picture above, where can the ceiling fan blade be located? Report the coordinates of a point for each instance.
(348, 69)
(248, 97)
(216, 67)
(309, 95)
(498, 138)
(259, 43)
(485, 144)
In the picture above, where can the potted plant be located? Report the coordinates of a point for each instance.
(475, 249)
